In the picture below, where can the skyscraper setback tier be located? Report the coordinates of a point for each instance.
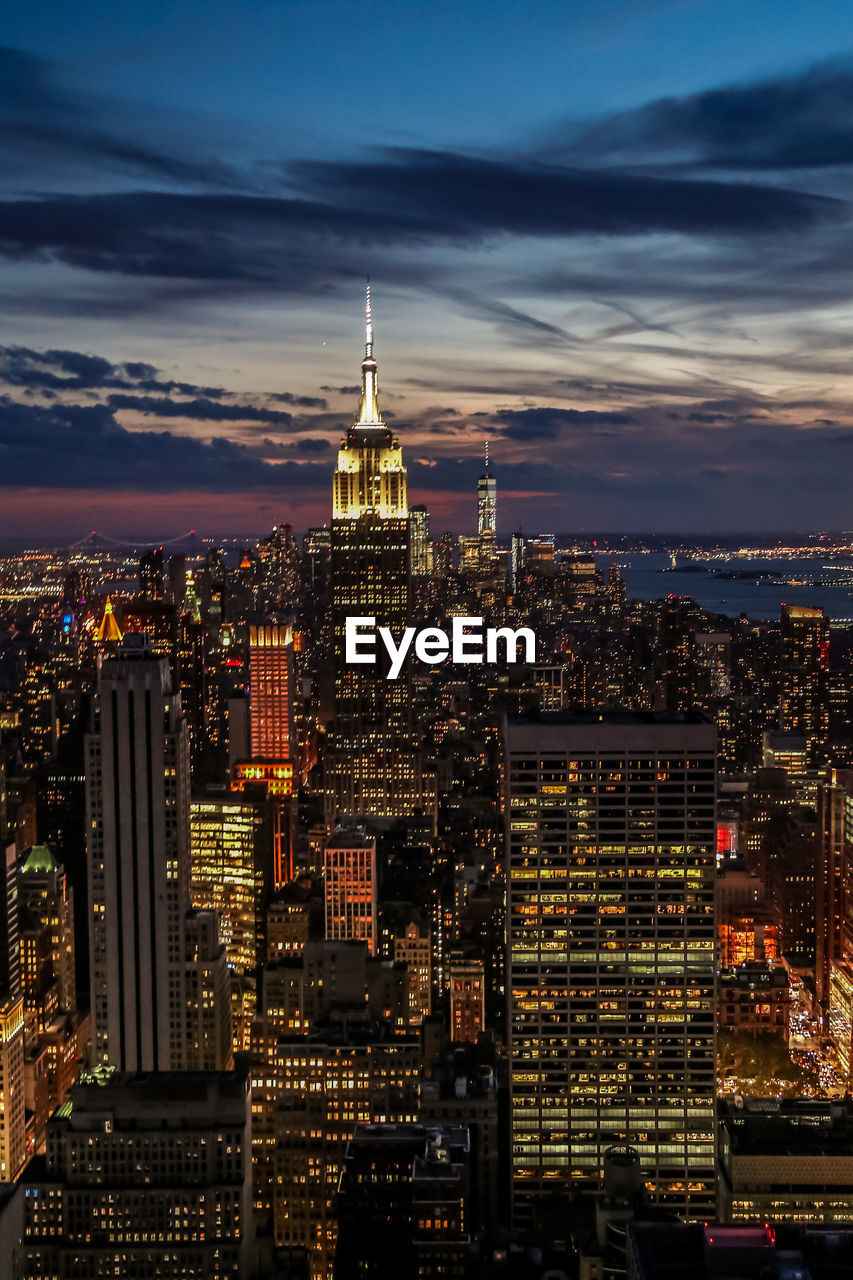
(373, 765)
(150, 955)
(611, 836)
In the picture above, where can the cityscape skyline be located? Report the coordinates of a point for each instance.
(426, 790)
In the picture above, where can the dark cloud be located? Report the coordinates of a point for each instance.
(802, 121)
(46, 372)
(83, 446)
(201, 410)
(408, 198)
(545, 424)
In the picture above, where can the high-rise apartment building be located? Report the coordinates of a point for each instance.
(804, 700)
(374, 765)
(611, 848)
(352, 899)
(144, 954)
(144, 1176)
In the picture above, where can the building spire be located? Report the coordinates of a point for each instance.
(368, 414)
(368, 324)
(487, 456)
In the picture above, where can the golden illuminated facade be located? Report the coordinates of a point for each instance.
(13, 1125)
(374, 767)
(231, 847)
(232, 852)
(611, 952)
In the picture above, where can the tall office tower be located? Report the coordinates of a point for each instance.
(413, 948)
(487, 493)
(46, 894)
(280, 575)
(610, 928)
(804, 702)
(152, 585)
(300, 991)
(443, 555)
(231, 839)
(834, 882)
(13, 1129)
(232, 874)
(352, 900)
(516, 561)
(144, 1176)
(373, 766)
(316, 554)
(13, 1124)
(271, 751)
(332, 1080)
(137, 812)
(176, 580)
(10, 958)
(191, 682)
(467, 982)
(420, 543)
(540, 555)
(678, 651)
(270, 693)
(47, 943)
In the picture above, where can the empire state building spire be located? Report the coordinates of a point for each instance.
(368, 414)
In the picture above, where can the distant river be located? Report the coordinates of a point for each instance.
(756, 597)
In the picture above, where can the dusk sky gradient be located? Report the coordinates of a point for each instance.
(612, 237)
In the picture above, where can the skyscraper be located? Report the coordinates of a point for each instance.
(270, 679)
(143, 953)
(13, 1129)
(834, 882)
(374, 767)
(487, 493)
(611, 952)
(420, 543)
(804, 702)
(351, 888)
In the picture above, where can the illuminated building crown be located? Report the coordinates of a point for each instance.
(370, 476)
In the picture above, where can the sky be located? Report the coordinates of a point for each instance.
(614, 238)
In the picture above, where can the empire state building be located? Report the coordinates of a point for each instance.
(374, 766)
